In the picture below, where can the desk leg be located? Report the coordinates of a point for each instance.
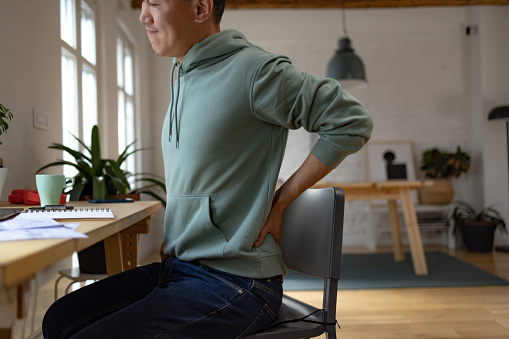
(113, 253)
(5, 333)
(397, 247)
(130, 243)
(121, 249)
(13, 305)
(414, 236)
(8, 312)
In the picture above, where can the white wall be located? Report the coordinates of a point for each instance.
(29, 76)
(494, 34)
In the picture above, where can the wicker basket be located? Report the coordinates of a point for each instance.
(441, 193)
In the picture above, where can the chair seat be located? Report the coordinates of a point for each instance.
(76, 275)
(293, 309)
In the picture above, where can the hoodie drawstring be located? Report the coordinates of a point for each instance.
(174, 113)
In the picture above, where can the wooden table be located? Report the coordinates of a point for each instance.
(20, 260)
(392, 191)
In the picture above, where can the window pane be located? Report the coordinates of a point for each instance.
(125, 83)
(69, 106)
(88, 33)
(129, 121)
(89, 103)
(121, 122)
(68, 22)
(120, 63)
(128, 69)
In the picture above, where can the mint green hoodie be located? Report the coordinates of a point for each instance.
(223, 142)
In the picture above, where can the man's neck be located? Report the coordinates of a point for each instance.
(206, 33)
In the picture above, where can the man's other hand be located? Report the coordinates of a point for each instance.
(163, 256)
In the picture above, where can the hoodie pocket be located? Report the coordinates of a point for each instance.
(189, 231)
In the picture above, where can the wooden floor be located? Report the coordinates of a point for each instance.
(449, 312)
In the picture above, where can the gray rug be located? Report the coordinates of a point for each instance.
(372, 271)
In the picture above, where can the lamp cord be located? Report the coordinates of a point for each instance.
(507, 137)
(343, 21)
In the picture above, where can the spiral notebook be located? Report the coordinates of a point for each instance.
(76, 213)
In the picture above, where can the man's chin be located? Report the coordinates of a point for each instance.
(158, 51)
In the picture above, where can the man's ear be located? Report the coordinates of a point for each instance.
(203, 10)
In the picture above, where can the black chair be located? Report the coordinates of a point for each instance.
(312, 241)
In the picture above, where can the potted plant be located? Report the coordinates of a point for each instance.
(5, 115)
(478, 228)
(91, 166)
(441, 167)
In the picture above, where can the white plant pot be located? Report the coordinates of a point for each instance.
(3, 176)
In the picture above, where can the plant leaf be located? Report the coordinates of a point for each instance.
(95, 149)
(77, 189)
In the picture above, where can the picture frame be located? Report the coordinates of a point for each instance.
(390, 160)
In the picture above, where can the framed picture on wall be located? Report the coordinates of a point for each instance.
(390, 161)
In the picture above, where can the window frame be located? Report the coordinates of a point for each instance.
(81, 64)
(128, 42)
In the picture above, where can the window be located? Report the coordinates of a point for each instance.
(125, 85)
(79, 73)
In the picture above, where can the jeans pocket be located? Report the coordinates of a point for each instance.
(267, 288)
(264, 319)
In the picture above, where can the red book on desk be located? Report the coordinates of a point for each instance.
(29, 197)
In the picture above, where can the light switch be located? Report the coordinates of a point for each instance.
(41, 119)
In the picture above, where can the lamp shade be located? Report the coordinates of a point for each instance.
(501, 112)
(346, 67)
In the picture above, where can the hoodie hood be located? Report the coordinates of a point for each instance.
(210, 51)
(214, 49)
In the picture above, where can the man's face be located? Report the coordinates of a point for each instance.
(170, 26)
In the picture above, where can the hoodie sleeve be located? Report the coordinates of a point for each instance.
(281, 95)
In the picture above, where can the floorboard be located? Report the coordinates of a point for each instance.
(439, 313)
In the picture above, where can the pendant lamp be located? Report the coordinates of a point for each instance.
(346, 66)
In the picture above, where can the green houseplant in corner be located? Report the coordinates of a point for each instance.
(5, 115)
(441, 167)
(478, 227)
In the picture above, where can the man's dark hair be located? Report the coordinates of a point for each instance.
(218, 10)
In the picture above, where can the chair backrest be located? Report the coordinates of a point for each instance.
(312, 241)
(312, 237)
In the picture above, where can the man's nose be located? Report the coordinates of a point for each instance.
(145, 16)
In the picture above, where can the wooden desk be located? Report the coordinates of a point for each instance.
(392, 191)
(20, 260)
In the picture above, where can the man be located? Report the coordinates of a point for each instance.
(223, 141)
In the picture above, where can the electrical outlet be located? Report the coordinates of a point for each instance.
(41, 119)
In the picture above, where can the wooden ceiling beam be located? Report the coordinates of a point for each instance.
(274, 4)
(356, 3)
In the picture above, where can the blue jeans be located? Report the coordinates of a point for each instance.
(174, 299)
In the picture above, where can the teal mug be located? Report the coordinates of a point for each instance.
(50, 186)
